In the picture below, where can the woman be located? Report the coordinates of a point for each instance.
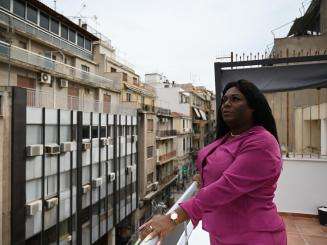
(239, 172)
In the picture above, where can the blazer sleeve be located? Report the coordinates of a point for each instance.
(256, 163)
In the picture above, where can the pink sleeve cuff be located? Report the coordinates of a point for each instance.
(192, 210)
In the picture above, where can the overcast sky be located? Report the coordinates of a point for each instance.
(182, 38)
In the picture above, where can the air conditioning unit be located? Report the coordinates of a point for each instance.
(51, 203)
(86, 188)
(86, 146)
(104, 142)
(34, 150)
(67, 146)
(155, 186)
(96, 182)
(130, 169)
(68, 238)
(45, 78)
(33, 207)
(111, 177)
(52, 149)
(63, 83)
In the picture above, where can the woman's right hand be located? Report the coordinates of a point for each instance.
(197, 179)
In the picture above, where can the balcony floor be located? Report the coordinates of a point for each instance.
(300, 231)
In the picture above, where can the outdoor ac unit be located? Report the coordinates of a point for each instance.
(63, 83)
(86, 146)
(130, 169)
(86, 188)
(33, 207)
(155, 186)
(45, 78)
(68, 238)
(34, 150)
(96, 182)
(104, 142)
(67, 146)
(52, 149)
(111, 177)
(51, 203)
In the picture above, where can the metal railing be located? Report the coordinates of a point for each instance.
(166, 133)
(183, 231)
(60, 69)
(37, 32)
(41, 99)
(167, 156)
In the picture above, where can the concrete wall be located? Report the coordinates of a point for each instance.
(302, 186)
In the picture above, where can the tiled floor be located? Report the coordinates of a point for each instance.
(304, 230)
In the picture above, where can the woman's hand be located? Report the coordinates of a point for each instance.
(159, 225)
(197, 179)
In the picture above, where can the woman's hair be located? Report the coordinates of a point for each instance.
(262, 115)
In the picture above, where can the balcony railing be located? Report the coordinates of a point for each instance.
(148, 108)
(17, 54)
(166, 133)
(163, 111)
(182, 232)
(166, 157)
(49, 100)
(37, 32)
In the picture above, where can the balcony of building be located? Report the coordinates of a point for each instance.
(39, 99)
(297, 206)
(27, 59)
(166, 157)
(27, 28)
(166, 134)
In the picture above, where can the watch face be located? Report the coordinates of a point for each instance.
(173, 216)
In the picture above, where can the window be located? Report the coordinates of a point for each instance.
(31, 14)
(128, 130)
(95, 132)
(1, 105)
(124, 76)
(5, 4)
(22, 44)
(72, 36)
(55, 26)
(86, 132)
(19, 8)
(88, 44)
(64, 32)
(80, 40)
(109, 131)
(113, 69)
(128, 97)
(150, 125)
(149, 151)
(103, 132)
(149, 178)
(44, 21)
(134, 80)
(184, 144)
(85, 68)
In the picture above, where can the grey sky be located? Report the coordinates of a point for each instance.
(182, 38)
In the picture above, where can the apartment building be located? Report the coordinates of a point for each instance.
(68, 146)
(301, 115)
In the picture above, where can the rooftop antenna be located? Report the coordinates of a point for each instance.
(55, 5)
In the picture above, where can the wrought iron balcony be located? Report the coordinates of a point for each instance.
(166, 133)
(166, 157)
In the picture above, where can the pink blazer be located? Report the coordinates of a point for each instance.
(238, 184)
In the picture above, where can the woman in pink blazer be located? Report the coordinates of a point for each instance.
(239, 172)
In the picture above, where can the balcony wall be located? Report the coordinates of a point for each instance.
(302, 186)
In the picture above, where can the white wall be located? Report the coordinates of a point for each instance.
(302, 186)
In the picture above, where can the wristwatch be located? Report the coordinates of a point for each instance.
(173, 217)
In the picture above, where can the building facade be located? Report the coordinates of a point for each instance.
(72, 177)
